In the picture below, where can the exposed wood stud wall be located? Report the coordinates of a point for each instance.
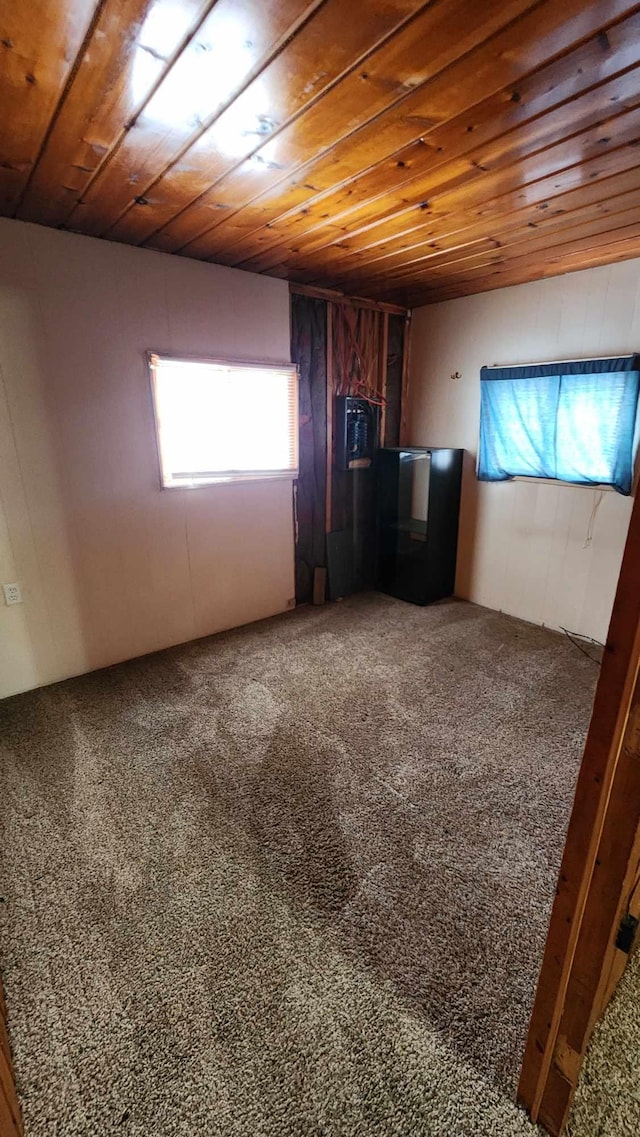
(404, 396)
(429, 151)
(342, 298)
(384, 351)
(330, 389)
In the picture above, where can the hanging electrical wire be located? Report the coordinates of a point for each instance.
(357, 334)
(597, 502)
(575, 637)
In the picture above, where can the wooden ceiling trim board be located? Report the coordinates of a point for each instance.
(437, 143)
(584, 256)
(401, 286)
(392, 74)
(187, 100)
(429, 268)
(463, 85)
(406, 249)
(451, 250)
(398, 126)
(122, 56)
(310, 64)
(468, 162)
(338, 297)
(39, 44)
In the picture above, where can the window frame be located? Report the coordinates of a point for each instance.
(228, 477)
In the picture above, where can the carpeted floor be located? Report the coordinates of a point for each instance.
(607, 1102)
(289, 881)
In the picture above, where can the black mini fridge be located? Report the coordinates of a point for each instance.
(418, 506)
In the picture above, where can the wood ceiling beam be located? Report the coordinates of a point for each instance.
(337, 297)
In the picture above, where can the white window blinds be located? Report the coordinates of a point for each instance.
(219, 421)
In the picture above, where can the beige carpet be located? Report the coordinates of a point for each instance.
(293, 880)
(607, 1102)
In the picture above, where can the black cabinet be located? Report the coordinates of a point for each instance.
(418, 505)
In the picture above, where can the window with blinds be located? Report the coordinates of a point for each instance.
(218, 421)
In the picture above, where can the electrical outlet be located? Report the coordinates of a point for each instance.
(12, 593)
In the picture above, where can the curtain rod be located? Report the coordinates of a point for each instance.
(552, 362)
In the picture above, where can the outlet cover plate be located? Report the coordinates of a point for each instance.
(12, 593)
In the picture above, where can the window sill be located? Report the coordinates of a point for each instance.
(565, 485)
(232, 480)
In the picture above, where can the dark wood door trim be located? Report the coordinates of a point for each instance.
(599, 872)
(10, 1115)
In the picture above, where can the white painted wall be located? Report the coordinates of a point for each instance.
(112, 567)
(524, 546)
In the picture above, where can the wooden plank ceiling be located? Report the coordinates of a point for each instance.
(403, 151)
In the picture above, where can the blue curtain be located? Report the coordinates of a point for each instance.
(571, 421)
